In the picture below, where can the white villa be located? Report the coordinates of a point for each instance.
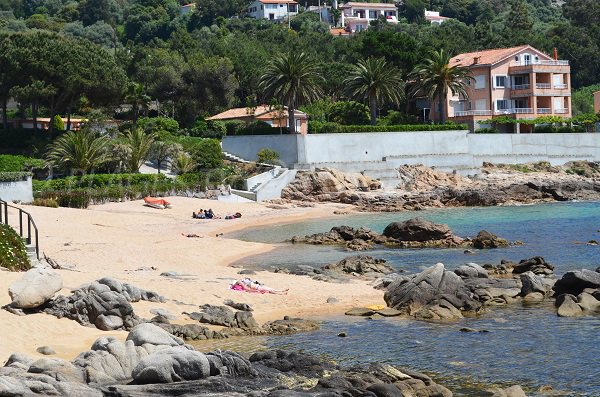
(273, 10)
(435, 18)
(357, 16)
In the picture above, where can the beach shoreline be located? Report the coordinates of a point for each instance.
(136, 244)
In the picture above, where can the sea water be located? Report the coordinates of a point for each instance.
(526, 345)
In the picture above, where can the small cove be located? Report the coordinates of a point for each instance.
(527, 345)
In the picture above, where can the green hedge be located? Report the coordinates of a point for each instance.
(263, 130)
(316, 127)
(17, 163)
(13, 254)
(98, 181)
(14, 176)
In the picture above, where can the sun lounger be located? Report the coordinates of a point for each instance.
(156, 203)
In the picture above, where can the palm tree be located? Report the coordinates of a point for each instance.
(140, 144)
(135, 95)
(374, 81)
(183, 163)
(80, 151)
(436, 78)
(293, 79)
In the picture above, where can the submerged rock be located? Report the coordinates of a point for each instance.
(417, 229)
(485, 240)
(361, 264)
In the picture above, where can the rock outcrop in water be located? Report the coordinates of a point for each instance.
(578, 293)
(153, 363)
(413, 233)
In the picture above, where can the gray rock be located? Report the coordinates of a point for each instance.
(108, 322)
(19, 360)
(513, 391)
(34, 288)
(58, 369)
(417, 229)
(567, 306)
(574, 282)
(215, 315)
(245, 320)
(385, 390)
(332, 300)
(486, 240)
(174, 364)
(588, 302)
(45, 350)
(537, 265)
(531, 283)
(360, 264)
(238, 306)
(471, 270)
(164, 313)
(360, 311)
(147, 333)
(533, 297)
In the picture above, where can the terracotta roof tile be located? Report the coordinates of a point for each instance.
(236, 113)
(486, 57)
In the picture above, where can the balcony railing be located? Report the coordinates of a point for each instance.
(544, 62)
(521, 87)
(544, 110)
(560, 86)
(514, 111)
(462, 113)
(543, 86)
(561, 111)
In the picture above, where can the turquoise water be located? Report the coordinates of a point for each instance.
(527, 345)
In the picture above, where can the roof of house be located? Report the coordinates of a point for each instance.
(489, 57)
(368, 5)
(339, 32)
(277, 1)
(261, 111)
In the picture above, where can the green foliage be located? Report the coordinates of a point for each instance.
(486, 131)
(139, 144)
(58, 124)
(79, 151)
(156, 124)
(267, 156)
(233, 126)
(582, 99)
(334, 128)
(14, 176)
(183, 164)
(45, 203)
(13, 254)
(16, 163)
(397, 118)
(349, 113)
(205, 152)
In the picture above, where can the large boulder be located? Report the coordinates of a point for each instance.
(575, 282)
(34, 288)
(435, 286)
(471, 270)
(486, 240)
(417, 229)
(173, 364)
(567, 306)
(531, 283)
(147, 333)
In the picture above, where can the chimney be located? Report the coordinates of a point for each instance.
(476, 60)
(555, 54)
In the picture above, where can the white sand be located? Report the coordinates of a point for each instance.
(116, 239)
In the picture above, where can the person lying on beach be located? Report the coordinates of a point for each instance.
(199, 214)
(191, 235)
(234, 216)
(250, 285)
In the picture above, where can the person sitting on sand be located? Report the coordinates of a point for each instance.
(199, 214)
(250, 285)
(209, 214)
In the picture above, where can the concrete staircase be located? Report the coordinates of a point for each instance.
(32, 254)
(232, 157)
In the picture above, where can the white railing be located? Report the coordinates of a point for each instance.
(544, 110)
(514, 111)
(520, 87)
(543, 62)
(561, 111)
(560, 86)
(543, 85)
(461, 113)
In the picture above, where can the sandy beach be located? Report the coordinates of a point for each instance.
(135, 244)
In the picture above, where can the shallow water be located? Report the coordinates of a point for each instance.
(527, 345)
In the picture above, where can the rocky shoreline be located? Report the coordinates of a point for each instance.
(421, 187)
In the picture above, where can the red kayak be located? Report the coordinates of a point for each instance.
(156, 203)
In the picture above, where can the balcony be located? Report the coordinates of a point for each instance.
(544, 111)
(560, 86)
(543, 86)
(549, 66)
(561, 111)
(519, 87)
(514, 111)
(463, 113)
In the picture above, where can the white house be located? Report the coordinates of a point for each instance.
(357, 16)
(274, 10)
(435, 18)
(186, 9)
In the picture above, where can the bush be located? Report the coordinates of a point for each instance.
(334, 128)
(11, 163)
(98, 181)
(267, 156)
(215, 129)
(233, 126)
(14, 176)
(486, 131)
(207, 153)
(58, 123)
(155, 124)
(349, 113)
(23, 141)
(45, 203)
(13, 254)
(397, 118)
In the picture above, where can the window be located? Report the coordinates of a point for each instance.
(500, 82)
(517, 58)
(479, 82)
(292, 7)
(360, 28)
(502, 104)
(373, 14)
(280, 5)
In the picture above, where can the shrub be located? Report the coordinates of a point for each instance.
(267, 156)
(58, 123)
(334, 128)
(14, 176)
(397, 118)
(45, 202)
(349, 113)
(13, 254)
(215, 129)
(486, 131)
(11, 163)
(206, 153)
(155, 124)
(233, 126)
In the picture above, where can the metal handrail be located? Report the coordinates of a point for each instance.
(30, 224)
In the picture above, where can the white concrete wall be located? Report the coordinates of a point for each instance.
(446, 150)
(272, 189)
(17, 191)
(261, 178)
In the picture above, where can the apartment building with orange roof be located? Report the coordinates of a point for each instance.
(520, 82)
